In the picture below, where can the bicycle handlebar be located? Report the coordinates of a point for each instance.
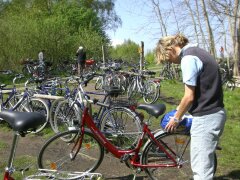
(17, 76)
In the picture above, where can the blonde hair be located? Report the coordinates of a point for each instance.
(166, 42)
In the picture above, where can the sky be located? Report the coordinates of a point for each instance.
(134, 25)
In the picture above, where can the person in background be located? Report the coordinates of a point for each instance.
(222, 53)
(81, 59)
(203, 99)
(41, 57)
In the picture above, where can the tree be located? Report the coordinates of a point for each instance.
(59, 27)
(157, 10)
(230, 9)
(193, 19)
(128, 52)
(209, 29)
(150, 57)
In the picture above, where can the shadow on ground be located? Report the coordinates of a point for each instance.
(234, 175)
(129, 177)
(169, 100)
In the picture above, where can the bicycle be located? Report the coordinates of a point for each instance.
(148, 89)
(109, 77)
(227, 76)
(163, 153)
(22, 124)
(22, 102)
(28, 66)
(68, 115)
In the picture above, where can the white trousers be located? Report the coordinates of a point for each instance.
(205, 133)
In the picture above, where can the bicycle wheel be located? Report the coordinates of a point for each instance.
(99, 83)
(66, 115)
(27, 71)
(36, 105)
(121, 126)
(10, 103)
(151, 92)
(131, 91)
(174, 145)
(52, 111)
(123, 83)
(230, 84)
(56, 154)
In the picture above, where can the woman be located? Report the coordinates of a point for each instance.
(203, 98)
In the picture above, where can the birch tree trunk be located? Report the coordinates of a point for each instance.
(193, 19)
(209, 29)
(204, 42)
(236, 38)
(156, 7)
(176, 20)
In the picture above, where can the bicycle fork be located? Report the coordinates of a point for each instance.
(76, 146)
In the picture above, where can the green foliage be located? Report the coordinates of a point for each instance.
(150, 57)
(58, 27)
(128, 51)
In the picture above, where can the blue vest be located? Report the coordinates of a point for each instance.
(208, 91)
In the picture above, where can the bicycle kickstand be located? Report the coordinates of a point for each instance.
(136, 172)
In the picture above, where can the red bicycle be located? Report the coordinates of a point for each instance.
(163, 155)
(22, 123)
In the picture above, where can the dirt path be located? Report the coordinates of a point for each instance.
(111, 168)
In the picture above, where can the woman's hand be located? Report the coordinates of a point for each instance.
(172, 125)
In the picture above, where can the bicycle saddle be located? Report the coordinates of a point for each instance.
(153, 109)
(23, 121)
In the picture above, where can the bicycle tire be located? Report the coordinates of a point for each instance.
(176, 142)
(52, 110)
(131, 91)
(36, 105)
(121, 126)
(66, 116)
(55, 153)
(123, 83)
(59, 89)
(230, 84)
(99, 83)
(26, 71)
(10, 103)
(151, 91)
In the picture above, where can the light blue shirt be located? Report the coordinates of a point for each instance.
(191, 67)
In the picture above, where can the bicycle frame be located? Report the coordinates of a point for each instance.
(12, 95)
(88, 121)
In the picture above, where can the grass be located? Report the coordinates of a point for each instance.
(228, 157)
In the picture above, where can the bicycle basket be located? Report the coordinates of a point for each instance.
(123, 101)
(112, 90)
(184, 125)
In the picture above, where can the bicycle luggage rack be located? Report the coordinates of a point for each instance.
(64, 175)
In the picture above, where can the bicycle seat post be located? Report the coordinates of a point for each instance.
(21, 123)
(10, 169)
